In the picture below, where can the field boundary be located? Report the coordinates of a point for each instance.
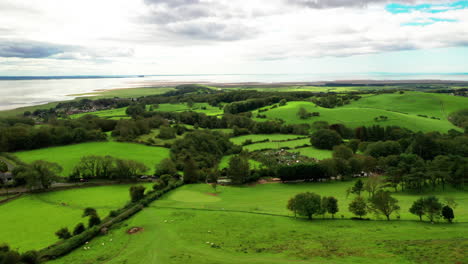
(289, 216)
(64, 247)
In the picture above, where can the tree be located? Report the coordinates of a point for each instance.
(166, 166)
(190, 171)
(166, 132)
(137, 193)
(190, 103)
(373, 184)
(40, 174)
(238, 170)
(358, 207)
(358, 187)
(382, 202)
(447, 213)
(94, 220)
(135, 110)
(418, 208)
(325, 139)
(89, 212)
(282, 102)
(306, 204)
(3, 166)
(128, 169)
(303, 113)
(63, 233)
(432, 207)
(79, 228)
(30, 257)
(332, 206)
(342, 152)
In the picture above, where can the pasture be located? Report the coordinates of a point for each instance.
(252, 225)
(69, 156)
(179, 107)
(278, 145)
(260, 137)
(352, 116)
(30, 221)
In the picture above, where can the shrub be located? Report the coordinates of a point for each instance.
(79, 228)
(63, 233)
(94, 220)
(137, 193)
(325, 139)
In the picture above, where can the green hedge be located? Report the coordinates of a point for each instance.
(64, 247)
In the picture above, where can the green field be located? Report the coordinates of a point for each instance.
(30, 221)
(224, 163)
(278, 145)
(353, 116)
(120, 112)
(252, 225)
(313, 152)
(430, 104)
(69, 156)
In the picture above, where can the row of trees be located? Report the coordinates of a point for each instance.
(107, 167)
(381, 203)
(10, 256)
(93, 220)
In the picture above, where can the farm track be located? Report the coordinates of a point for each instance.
(36, 197)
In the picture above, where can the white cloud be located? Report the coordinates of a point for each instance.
(171, 36)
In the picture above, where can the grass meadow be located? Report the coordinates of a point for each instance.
(69, 156)
(251, 225)
(353, 116)
(30, 221)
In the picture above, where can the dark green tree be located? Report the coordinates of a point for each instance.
(418, 208)
(325, 139)
(94, 220)
(63, 233)
(89, 212)
(137, 193)
(3, 166)
(342, 152)
(238, 170)
(79, 228)
(358, 207)
(358, 187)
(432, 207)
(190, 170)
(166, 166)
(447, 213)
(332, 206)
(383, 203)
(306, 204)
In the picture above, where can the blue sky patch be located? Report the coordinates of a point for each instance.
(426, 22)
(395, 8)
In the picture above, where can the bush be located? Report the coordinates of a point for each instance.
(79, 228)
(63, 233)
(30, 257)
(137, 193)
(325, 139)
(94, 220)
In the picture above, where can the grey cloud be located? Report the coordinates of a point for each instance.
(321, 4)
(172, 3)
(29, 49)
(212, 31)
(182, 13)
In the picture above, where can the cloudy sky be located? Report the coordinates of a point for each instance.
(57, 37)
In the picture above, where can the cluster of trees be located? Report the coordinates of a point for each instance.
(380, 203)
(460, 119)
(37, 175)
(250, 104)
(411, 172)
(10, 256)
(130, 129)
(333, 100)
(83, 105)
(204, 147)
(107, 167)
(25, 137)
(304, 114)
(93, 220)
(433, 209)
(309, 204)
